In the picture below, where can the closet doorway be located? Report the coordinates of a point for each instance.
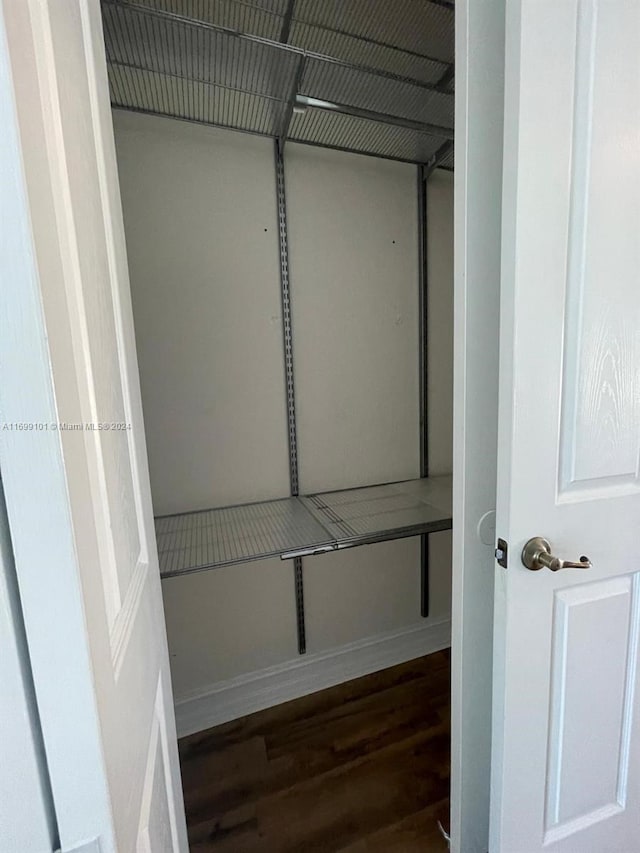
(288, 217)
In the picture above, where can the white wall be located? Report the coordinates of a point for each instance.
(200, 217)
(440, 320)
(205, 284)
(354, 290)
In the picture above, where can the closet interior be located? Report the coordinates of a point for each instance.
(285, 170)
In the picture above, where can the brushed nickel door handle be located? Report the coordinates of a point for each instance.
(537, 555)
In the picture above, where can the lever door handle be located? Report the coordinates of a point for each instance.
(536, 555)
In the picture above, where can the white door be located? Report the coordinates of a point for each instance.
(72, 448)
(566, 721)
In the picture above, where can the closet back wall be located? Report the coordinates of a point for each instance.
(205, 282)
(202, 243)
(353, 230)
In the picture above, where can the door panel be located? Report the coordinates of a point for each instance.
(600, 410)
(584, 733)
(566, 746)
(62, 103)
(99, 345)
(157, 828)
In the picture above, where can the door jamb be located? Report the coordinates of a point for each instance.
(477, 237)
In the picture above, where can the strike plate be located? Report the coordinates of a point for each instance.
(502, 553)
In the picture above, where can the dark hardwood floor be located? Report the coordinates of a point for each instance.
(359, 768)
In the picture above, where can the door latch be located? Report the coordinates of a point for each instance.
(502, 553)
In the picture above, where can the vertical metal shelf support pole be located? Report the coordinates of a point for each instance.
(424, 171)
(289, 377)
(424, 374)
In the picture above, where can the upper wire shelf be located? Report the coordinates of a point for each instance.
(342, 74)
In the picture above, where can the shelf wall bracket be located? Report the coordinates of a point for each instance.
(292, 101)
(442, 152)
(289, 377)
(287, 21)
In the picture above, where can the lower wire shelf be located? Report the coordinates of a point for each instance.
(302, 526)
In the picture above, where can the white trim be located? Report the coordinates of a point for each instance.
(33, 465)
(227, 700)
(477, 242)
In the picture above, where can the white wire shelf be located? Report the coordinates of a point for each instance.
(384, 78)
(296, 527)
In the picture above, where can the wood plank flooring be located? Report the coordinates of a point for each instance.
(359, 768)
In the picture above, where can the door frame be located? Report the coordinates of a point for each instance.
(479, 109)
(34, 475)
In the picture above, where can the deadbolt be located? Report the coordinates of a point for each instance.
(536, 555)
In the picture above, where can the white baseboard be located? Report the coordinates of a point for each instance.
(228, 700)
